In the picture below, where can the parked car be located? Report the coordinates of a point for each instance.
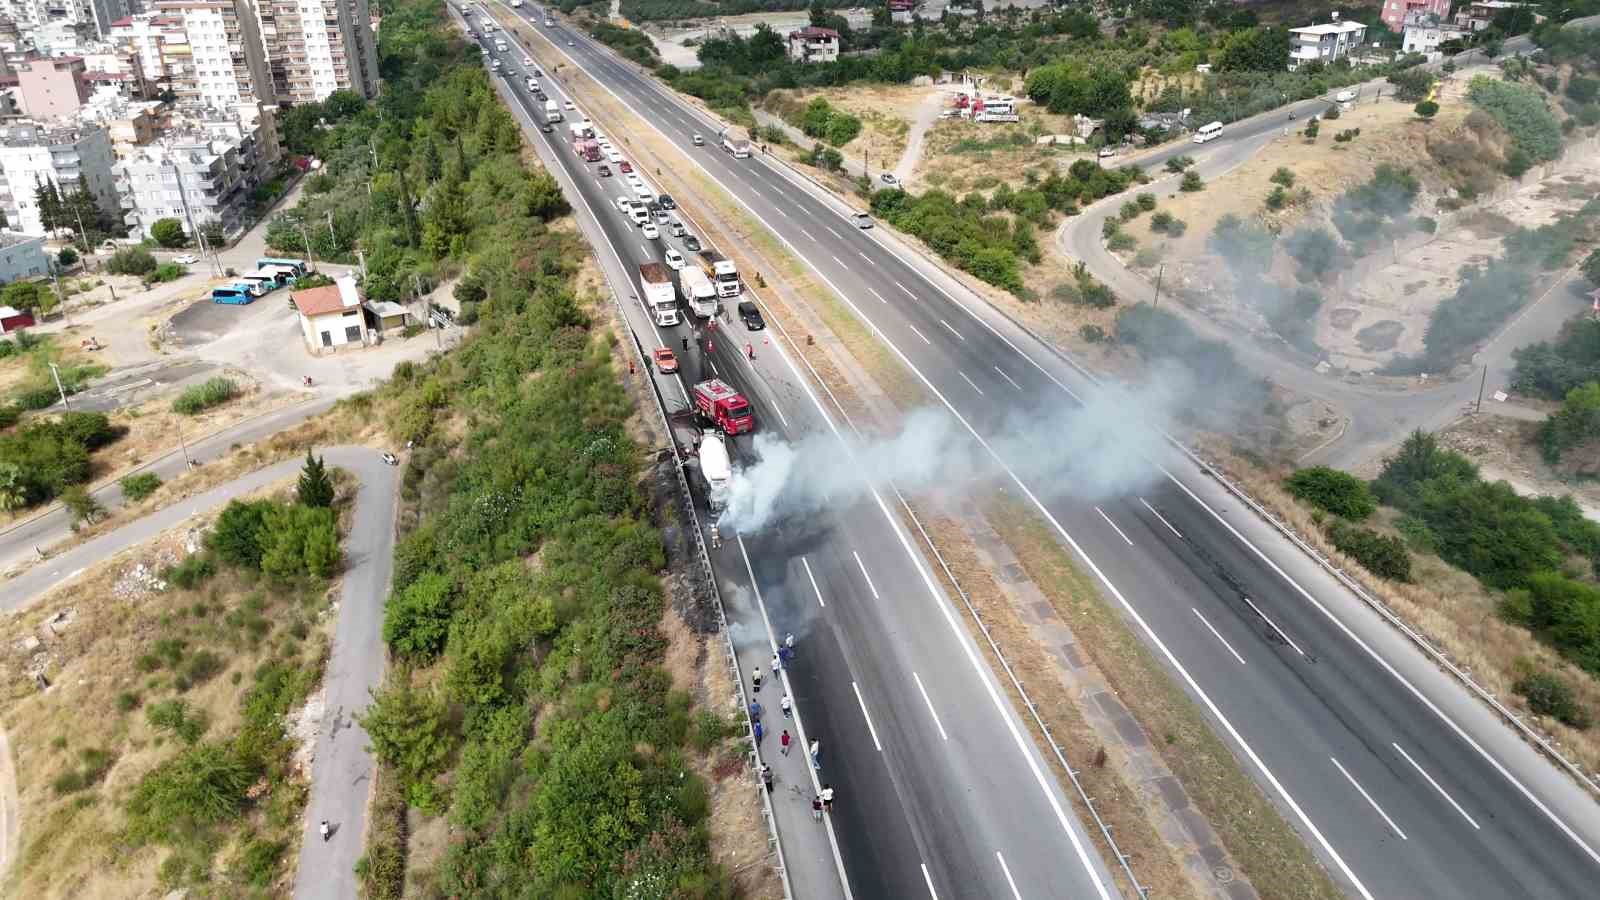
(187, 259)
(699, 141)
(862, 220)
(389, 459)
(666, 362)
(889, 179)
(691, 243)
(568, 105)
(624, 165)
(650, 231)
(751, 316)
(673, 259)
(667, 202)
(605, 171)
(1107, 152)
(676, 228)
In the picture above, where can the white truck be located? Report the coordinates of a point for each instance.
(580, 129)
(715, 468)
(552, 112)
(697, 291)
(721, 271)
(655, 286)
(736, 140)
(500, 46)
(516, 4)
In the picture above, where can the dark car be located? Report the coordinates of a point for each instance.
(667, 202)
(605, 171)
(691, 243)
(655, 206)
(546, 128)
(751, 316)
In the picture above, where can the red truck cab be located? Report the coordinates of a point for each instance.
(723, 406)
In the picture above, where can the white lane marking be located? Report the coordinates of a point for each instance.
(931, 711)
(878, 295)
(971, 382)
(952, 330)
(1217, 634)
(781, 212)
(919, 334)
(929, 879)
(808, 235)
(820, 602)
(713, 364)
(864, 574)
(838, 260)
(644, 250)
(1009, 880)
(870, 730)
(1436, 786)
(1274, 626)
(864, 256)
(1371, 802)
(1415, 692)
(1113, 526)
(777, 408)
(1007, 377)
(1162, 518)
(834, 233)
(906, 289)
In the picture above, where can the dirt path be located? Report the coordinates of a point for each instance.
(10, 817)
(927, 113)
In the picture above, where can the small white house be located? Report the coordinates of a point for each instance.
(813, 44)
(1324, 43)
(331, 316)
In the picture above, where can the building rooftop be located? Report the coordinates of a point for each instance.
(32, 134)
(9, 238)
(814, 33)
(340, 296)
(1334, 28)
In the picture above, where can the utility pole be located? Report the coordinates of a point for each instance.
(307, 239)
(1159, 272)
(55, 373)
(1482, 382)
(187, 462)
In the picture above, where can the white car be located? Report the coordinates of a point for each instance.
(624, 204)
(638, 214)
(568, 105)
(651, 231)
(612, 155)
(889, 179)
(674, 259)
(527, 60)
(187, 259)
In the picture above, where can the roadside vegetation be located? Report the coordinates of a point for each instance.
(184, 670)
(210, 393)
(42, 458)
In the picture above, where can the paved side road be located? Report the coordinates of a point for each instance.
(342, 771)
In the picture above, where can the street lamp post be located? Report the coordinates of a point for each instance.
(55, 373)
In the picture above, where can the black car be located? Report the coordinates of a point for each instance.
(751, 316)
(655, 206)
(691, 243)
(667, 202)
(546, 128)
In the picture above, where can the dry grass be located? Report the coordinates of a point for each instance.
(1450, 607)
(70, 843)
(882, 110)
(959, 155)
(31, 367)
(1272, 855)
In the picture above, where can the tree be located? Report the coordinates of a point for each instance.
(416, 620)
(67, 257)
(82, 506)
(1411, 85)
(236, 538)
(1192, 182)
(168, 233)
(47, 199)
(24, 295)
(1337, 492)
(1261, 49)
(1426, 109)
(408, 730)
(13, 487)
(316, 487)
(1591, 268)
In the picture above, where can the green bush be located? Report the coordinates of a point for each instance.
(1179, 163)
(131, 261)
(1283, 177)
(1331, 490)
(137, 487)
(1427, 109)
(258, 862)
(1092, 334)
(201, 787)
(175, 716)
(1146, 202)
(407, 731)
(1382, 555)
(1550, 695)
(168, 233)
(1191, 182)
(417, 619)
(1522, 112)
(191, 572)
(127, 701)
(167, 272)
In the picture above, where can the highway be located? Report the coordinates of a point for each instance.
(1401, 782)
(941, 790)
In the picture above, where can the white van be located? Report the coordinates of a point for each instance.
(1345, 96)
(643, 192)
(1208, 132)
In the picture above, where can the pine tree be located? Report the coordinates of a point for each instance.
(315, 488)
(48, 201)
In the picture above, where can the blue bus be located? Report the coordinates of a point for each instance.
(238, 294)
(299, 265)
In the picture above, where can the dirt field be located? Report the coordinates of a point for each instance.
(31, 367)
(884, 112)
(93, 640)
(960, 155)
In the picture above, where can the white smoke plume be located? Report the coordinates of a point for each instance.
(1109, 446)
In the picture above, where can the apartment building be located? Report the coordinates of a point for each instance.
(32, 154)
(191, 177)
(221, 61)
(95, 16)
(1324, 43)
(52, 88)
(148, 35)
(317, 47)
(813, 44)
(1396, 12)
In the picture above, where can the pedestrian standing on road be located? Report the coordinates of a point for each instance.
(755, 678)
(785, 655)
(749, 349)
(816, 807)
(816, 754)
(788, 642)
(757, 727)
(766, 776)
(325, 830)
(777, 664)
(827, 797)
(784, 740)
(711, 346)
(785, 703)
(755, 711)
(686, 345)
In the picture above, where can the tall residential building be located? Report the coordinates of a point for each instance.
(224, 62)
(148, 35)
(32, 154)
(320, 46)
(194, 179)
(95, 15)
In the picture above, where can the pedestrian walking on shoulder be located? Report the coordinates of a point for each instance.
(755, 711)
(788, 641)
(827, 797)
(816, 754)
(784, 740)
(325, 830)
(755, 678)
(766, 776)
(785, 705)
(816, 807)
(785, 655)
(777, 664)
(757, 727)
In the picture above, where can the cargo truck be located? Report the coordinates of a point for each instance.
(552, 112)
(720, 405)
(655, 286)
(697, 291)
(715, 468)
(588, 150)
(721, 271)
(736, 140)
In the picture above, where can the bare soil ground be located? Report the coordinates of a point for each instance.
(960, 155)
(87, 638)
(884, 111)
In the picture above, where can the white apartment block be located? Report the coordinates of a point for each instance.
(1324, 43)
(317, 47)
(33, 154)
(148, 35)
(197, 180)
(224, 62)
(95, 15)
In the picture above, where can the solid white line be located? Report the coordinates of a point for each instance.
(919, 334)
(1113, 525)
(929, 879)
(970, 381)
(864, 574)
(1436, 786)
(1009, 880)
(1162, 518)
(820, 602)
(1370, 801)
(1218, 635)
(931, 711)
(952, 330)
(1274, 626)
(713, 364)
(1007, 377)
(906, 289)
(870, 730)
(878, 295)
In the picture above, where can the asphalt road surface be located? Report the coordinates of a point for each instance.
(1402, 783)
(945, 791)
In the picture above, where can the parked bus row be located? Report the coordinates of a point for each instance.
(271, 273)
